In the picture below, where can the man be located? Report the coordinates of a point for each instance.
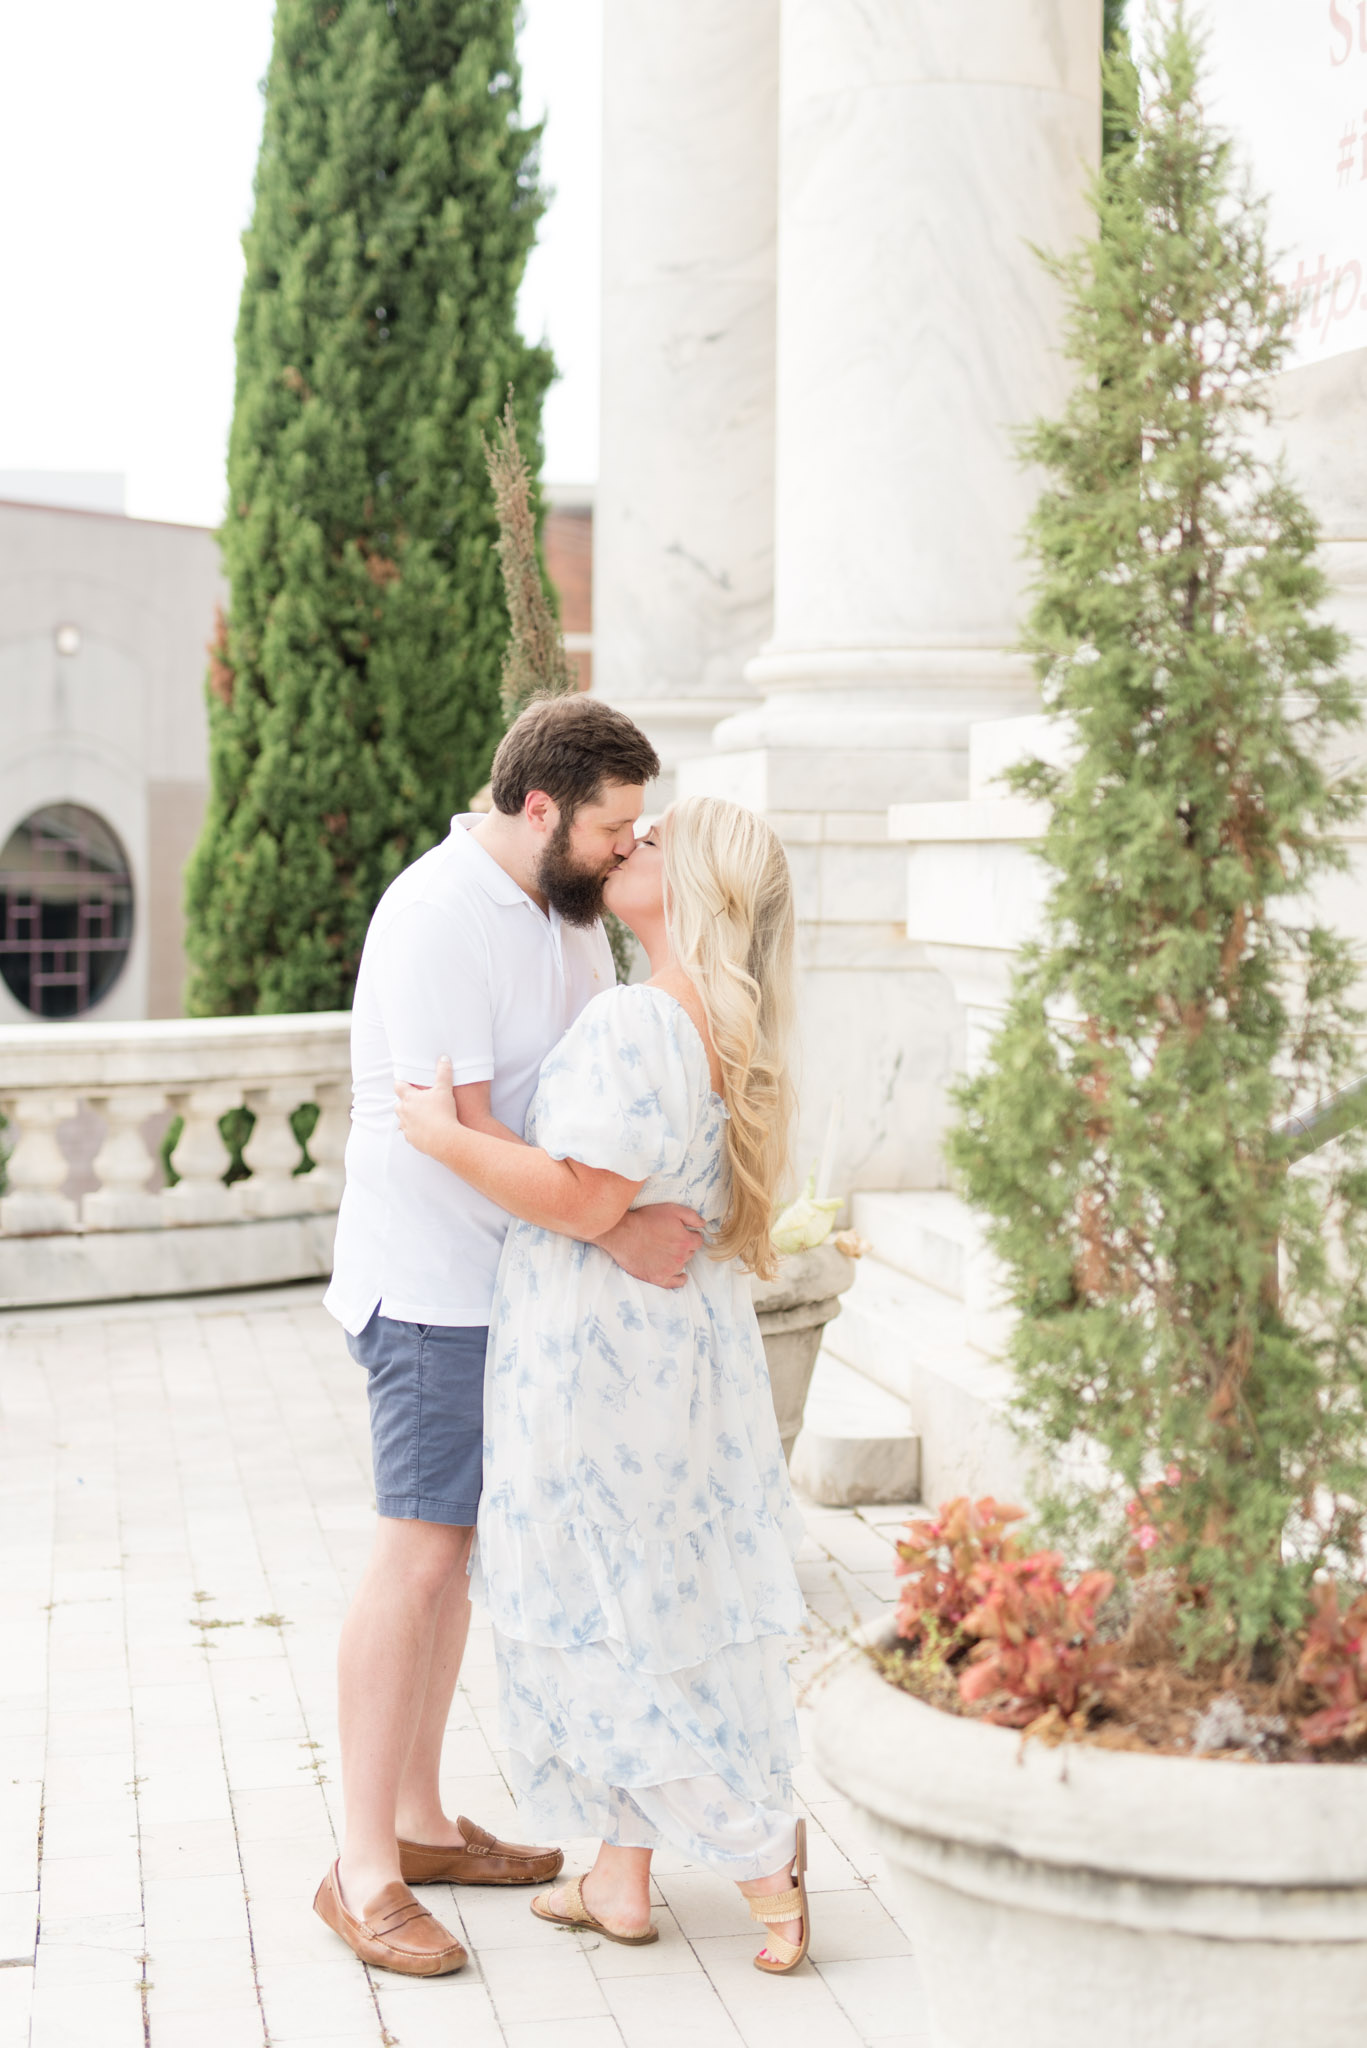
(486, 949)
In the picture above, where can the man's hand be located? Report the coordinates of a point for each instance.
(656, 1243)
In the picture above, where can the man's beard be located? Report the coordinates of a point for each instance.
(576, 893)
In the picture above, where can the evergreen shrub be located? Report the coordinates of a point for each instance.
(1182, 999)
(353, 686)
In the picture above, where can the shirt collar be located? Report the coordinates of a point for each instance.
(494, 880)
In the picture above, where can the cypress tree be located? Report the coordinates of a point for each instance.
(353, 686)
(1122, 1137)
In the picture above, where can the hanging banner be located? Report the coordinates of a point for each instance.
(1289, 79)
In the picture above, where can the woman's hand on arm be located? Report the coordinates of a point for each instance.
(557, 1194)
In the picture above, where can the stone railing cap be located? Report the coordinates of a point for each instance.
(173, 1051)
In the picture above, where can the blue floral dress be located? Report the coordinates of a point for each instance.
(637, 1530)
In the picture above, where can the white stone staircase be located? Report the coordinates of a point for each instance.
(898, 1361)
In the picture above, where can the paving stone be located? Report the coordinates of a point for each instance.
(221, 1447)
(670, 1956)
(597, 2033)
(438, 2012)
(218, 2024)
(16, 2003)
(882, 1996)
(682, 2014)
(549, 1981)
(76, 2015)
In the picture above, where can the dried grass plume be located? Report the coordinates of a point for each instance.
(535, 663)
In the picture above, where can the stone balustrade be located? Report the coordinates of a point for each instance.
(128, 1235)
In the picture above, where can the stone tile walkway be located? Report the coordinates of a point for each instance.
(185, 1504)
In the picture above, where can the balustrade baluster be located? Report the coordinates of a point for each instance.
(327, 1146)
(201, 1158)
(37, 1166)
(123, 1165)
(65, 1247)
(272, 1153)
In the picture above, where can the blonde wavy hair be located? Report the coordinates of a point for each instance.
(728, 900)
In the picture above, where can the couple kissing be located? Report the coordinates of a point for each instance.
(556, 1188)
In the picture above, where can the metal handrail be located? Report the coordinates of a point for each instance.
(1343, 1112)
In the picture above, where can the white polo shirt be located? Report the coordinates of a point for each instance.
(458, 959)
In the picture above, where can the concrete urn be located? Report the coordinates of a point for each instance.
(793, 1310)
(1061, 1898)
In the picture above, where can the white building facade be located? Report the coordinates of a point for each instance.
(814, 359)
(103, 626)
(903, 160)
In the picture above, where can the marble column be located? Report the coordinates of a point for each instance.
(924, 147)
(684, 509)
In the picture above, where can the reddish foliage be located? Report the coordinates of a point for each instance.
(1035, 1637)
(938, 1557)
(1334, 1664)
(1031, 1635)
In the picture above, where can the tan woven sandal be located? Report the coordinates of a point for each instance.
(774, 1907)
(579, 1915)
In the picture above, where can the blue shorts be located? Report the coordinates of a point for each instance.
(426, 1418)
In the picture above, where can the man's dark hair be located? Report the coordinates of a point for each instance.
(569, 746)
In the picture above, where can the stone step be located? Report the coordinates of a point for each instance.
(843, 1402)
(924, 1233)
(856, 1446)
(910, 1340)
(888, 1320)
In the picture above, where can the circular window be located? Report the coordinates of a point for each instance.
(66, 911)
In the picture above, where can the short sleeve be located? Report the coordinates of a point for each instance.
(432, 986)
(620, 1091)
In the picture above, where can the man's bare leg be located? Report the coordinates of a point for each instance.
(384, 1662)
(419, 1815)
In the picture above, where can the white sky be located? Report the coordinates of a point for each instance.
(128, 138)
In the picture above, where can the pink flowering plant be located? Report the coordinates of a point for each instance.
(1150, 1522)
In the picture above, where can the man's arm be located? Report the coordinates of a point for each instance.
(653, 1244)
(556, 1194)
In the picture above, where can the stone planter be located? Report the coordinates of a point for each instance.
(793, 1311)
(1061, 1898)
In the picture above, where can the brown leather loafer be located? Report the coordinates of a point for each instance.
(394, 1931)
(483, 1860)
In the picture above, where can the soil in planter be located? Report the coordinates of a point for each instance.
(1156, 1706)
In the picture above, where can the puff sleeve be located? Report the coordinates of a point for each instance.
(621, 1090)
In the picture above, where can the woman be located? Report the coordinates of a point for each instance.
(637, 1531)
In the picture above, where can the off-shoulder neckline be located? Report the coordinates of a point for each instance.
(647, 988)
